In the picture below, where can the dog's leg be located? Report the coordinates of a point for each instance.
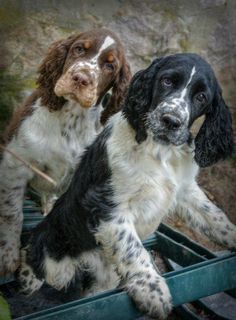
(205, 217)
(14, 177)
(101, 273)
(124, 249)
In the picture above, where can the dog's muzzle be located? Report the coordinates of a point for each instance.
(169, 124)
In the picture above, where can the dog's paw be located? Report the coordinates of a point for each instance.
(151, 294)
(9, 256)
(28, 282)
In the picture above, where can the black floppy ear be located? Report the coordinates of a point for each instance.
(215, 140)
(139, 99)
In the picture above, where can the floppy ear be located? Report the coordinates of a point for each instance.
(139, 99)
(215, 138)
(119, 90)
(50, 71)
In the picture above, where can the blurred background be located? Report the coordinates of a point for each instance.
(147, 28)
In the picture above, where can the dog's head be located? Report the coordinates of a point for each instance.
(83, 68)
(165, 99)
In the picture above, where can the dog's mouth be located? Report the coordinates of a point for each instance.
(83, 101)
(175, 137)
(85, 98)
(77, 89)
(166, 139)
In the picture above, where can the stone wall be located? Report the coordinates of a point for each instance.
(148, 28)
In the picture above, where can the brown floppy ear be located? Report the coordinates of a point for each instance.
(50, 71)
(119, 90)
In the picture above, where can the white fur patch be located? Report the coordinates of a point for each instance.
(55, 141)
(183, 93)
(59, 274)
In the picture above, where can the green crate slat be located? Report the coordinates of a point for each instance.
(173, 250)
(185, 240)
(31, 210)
(186, 285)
(203, 279)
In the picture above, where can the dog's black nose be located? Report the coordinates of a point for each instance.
(170, 121)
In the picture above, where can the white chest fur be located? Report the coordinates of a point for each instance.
(148, 178)
(54, 141)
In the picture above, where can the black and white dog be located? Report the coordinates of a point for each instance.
(140, 169)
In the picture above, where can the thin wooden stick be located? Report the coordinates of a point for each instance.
(30, 166)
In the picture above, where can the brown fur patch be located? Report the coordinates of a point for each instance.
(19, 115)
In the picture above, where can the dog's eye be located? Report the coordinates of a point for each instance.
(167, 82)
(109, 66)
(79, 49)
(201, 97)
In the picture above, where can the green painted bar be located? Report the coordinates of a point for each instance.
(186, 285)
(169, 248)
(185, 240)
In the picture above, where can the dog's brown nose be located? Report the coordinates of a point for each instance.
(171, 121)
(82, 79)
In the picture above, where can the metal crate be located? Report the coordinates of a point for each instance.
(201, 273)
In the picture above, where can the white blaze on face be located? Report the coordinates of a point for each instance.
(179, 103)
(107, 43)
(183, 93)
(92, 64)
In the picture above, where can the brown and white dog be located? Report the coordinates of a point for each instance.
(54, 126)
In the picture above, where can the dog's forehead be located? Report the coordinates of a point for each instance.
(107, 42)
(99, 40)
(189, 66)
(185, 63)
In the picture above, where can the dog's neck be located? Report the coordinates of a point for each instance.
(124, 135)
(72, 115)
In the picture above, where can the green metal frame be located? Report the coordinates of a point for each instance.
(203, 274)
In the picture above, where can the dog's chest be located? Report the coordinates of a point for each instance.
(147, 187)
(150, 196)
(60, 138)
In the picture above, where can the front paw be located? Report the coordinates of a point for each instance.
(151, 294)
(9, 256)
